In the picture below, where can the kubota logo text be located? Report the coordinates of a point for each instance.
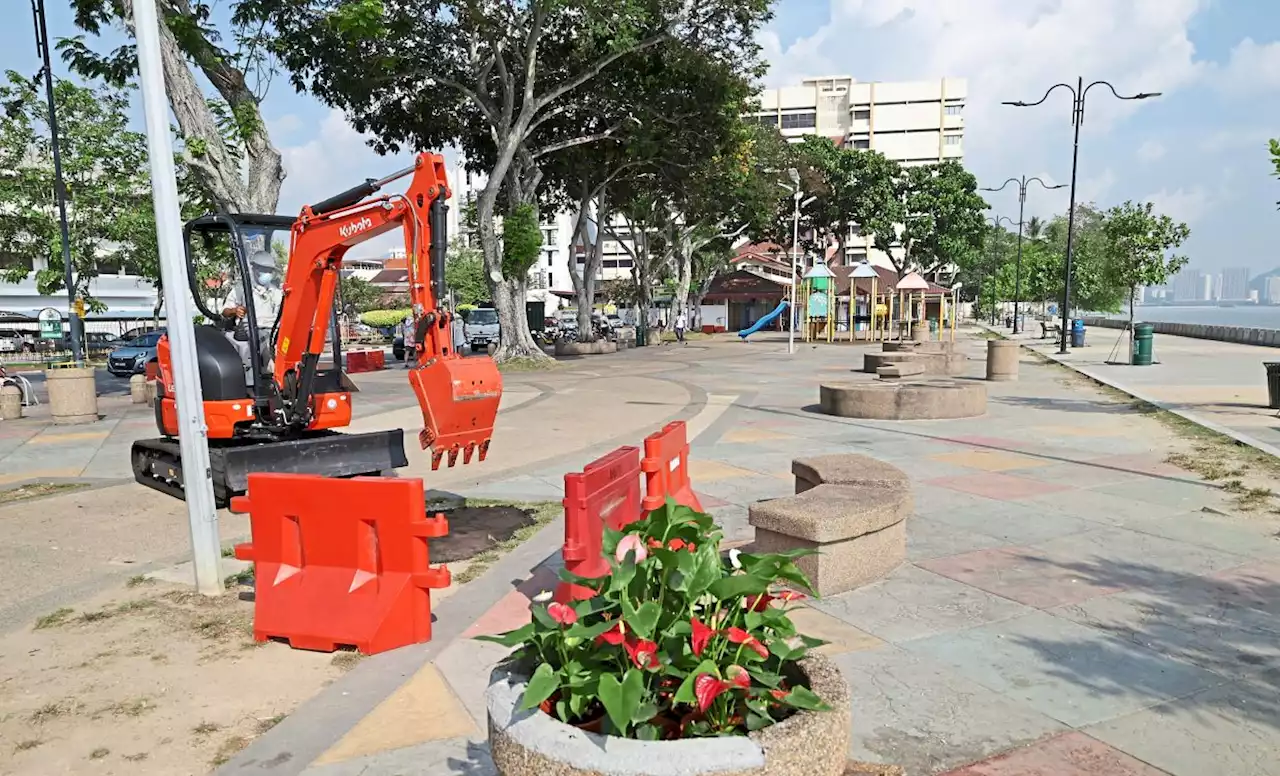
(355, 227)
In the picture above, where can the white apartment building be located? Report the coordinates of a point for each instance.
(911, 122)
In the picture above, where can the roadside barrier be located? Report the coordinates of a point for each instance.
(605, 492)
(341, 562)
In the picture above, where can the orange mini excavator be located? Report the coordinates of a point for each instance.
(270, 403)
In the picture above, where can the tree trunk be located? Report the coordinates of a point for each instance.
(584, 283)
(684, 271)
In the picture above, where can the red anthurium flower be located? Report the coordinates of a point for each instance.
(758, 603)
(779, 694)
(701, 635)
(654, 543)
(707, 688)
(643, 653)
(676, 544)
(615, 635)
(562, 613)
(738, 677)
(790, 596)
(739, 636)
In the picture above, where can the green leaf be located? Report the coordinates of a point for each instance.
(739, 585)
(644, 619)
(644, 712)
(804, 698)
(757, 721)
(648, 732)
(685, 694)
(510, 638)
(578, 630)
(766, 678)
(543, 618)
(544, 682)
(623, 573)
(622, 699)
(784, 651)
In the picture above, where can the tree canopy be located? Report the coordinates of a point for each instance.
(104, 165)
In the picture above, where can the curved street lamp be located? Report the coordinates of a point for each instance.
(1078, 94)
(1022, 201)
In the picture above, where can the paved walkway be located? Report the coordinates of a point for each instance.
(1221, 385)
(1068, 606)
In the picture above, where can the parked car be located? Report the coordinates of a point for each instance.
(11, 341)
(481, 328)
(132, 358)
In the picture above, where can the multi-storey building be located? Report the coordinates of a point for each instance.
(912, 123)
(1235, 284)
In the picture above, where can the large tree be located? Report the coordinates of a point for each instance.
(224, 137)
(492, 78)
(1138, 249)
(464, 274)
(1091, 288)
(940, 221)
(849, 187)
(1275, 159)
(104, 164)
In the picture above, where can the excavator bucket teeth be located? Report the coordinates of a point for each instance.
(459, 399)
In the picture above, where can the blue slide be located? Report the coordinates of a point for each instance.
(765, 321)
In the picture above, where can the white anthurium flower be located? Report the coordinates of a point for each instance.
(543, 597)
(704, 601)
(733, 558)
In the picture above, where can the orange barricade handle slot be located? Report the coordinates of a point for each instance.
(666, 468)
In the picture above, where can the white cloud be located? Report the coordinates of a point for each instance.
(1181, 204)
(1151, 150)
(1252, 69)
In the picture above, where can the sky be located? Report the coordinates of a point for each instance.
(1198, 152)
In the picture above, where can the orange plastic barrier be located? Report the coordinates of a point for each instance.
(666, 468)
(341, 561)
(365, 361)
(605, 492)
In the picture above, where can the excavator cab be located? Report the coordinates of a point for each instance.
(271, 375)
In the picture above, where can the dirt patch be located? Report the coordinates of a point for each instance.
(152, 679)
(36, 490)
(510, 525)
(474, 529)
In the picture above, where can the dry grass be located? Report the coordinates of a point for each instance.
(542, 512)
(54, 618)
(36, 490)
(266, 724)
(346, 660)
(133, 707)
(229, 748)
(205, 729)
(51, 711)
(30, 743)
(99, 753)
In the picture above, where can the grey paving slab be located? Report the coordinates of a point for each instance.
(1240, 536)
(1231, 730)
(1080, 475)
(1118, 557)
(1100, 507)
(1183, 496)
(451, 756)
(1179, 620)
(1014, 523)
(744, 490)
(928, 537)
(732, 519)
(1072, 673)
(913, 603)
(913, 712)
(932, 499)
(466, 664)
(519, 488)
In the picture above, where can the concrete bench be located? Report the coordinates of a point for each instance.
(1047, 330)
(856, 523)
(899, 371)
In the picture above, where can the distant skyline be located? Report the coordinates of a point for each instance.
(1198, 152)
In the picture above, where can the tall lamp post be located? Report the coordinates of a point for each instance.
(1078, 94)
(796, 196)
(995, 224)
(1022, 202)
(59, 186)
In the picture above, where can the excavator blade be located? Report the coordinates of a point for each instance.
(459, 399)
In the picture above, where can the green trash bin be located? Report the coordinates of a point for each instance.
(1144, 335)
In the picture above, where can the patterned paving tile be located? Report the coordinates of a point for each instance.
(1082, 431)
(1019, 574)
(422, 709)
(512, 610)
(989, 460)
(1074, 674)
(748, 435)
(840, 636)
(1072, 754)
(714, 471)
(998, 486)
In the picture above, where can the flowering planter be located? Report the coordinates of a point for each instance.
(808, 743)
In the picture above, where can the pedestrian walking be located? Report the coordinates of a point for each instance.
(682, 323)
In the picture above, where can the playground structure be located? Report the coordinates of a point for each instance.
(913, 297)
(818, 291)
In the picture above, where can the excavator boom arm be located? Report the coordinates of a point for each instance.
(459, 397)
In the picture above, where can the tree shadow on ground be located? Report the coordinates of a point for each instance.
(476, 763)
(1228, 624)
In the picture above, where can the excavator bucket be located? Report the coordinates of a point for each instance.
(459, 399)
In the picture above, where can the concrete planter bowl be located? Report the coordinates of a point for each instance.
(809, 743)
